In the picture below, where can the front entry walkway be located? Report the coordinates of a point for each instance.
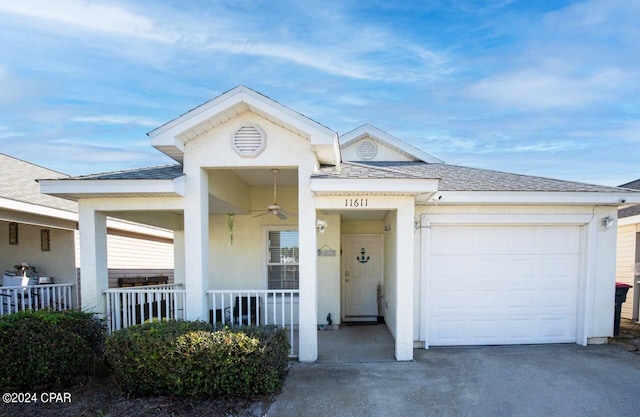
(366, 343)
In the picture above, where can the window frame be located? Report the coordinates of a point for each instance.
(265, 253)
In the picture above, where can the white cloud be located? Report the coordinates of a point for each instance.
(548, 88)
(549, 147)
(7, 133)
(116, 120)
(14, 89)
(90, 16)
(326, 42)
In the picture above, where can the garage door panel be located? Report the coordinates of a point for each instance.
(449, 331)
(520, 300)
(522, 329)
(557, 329)
(486, 301)
(447, 270)
(558, 300)
(448, 302)
(556, 268)
(560, 240)
(519, 292)
(484, 328)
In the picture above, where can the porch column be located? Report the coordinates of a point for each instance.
(404, 274)
(308, 326)
(93, 258)
(196, 243)
(178, 257)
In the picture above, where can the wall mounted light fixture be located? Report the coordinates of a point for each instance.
(607, 222)
(321, 225)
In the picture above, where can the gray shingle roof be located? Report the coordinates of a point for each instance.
(165, 172)
(629, 211)
(634, 185)
(458, 178)
(18, 183)
(362, 170)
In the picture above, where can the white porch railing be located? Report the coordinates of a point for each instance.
(256, 307)
(35, 297)
(135, 305)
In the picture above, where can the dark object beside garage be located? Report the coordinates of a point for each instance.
(621, 297)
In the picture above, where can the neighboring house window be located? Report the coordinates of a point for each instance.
(283, 268)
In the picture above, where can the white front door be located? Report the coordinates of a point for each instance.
(361, 275)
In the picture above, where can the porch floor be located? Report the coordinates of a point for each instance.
(370, 343)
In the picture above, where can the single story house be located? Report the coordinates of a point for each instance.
(264, 200)
(42, 230)
(628, 253)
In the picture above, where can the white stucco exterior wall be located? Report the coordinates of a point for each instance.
(329, 271)
(604, 264)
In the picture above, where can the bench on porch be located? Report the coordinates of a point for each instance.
(145, 306)
(142, 281)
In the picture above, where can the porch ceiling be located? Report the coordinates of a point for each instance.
(350, 215)
(264, 177)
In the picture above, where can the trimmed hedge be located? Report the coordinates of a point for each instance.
(49, 350)
(191, 360)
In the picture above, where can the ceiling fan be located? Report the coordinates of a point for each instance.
(276, 208)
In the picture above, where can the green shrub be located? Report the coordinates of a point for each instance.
(190, 360)
(47, 350)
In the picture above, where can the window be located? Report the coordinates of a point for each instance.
(283, 268)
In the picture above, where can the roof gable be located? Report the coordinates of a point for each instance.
(171, 137)
(368, 143)
(634, 185)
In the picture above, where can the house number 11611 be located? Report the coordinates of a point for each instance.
(355, 202)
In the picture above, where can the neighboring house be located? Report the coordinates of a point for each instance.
(42, 230)
(628, 253)
(463, 256)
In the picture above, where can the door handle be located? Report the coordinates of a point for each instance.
(346, 280)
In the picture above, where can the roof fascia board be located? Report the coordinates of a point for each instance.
(533, 197)
(166, 134)
(372, 185)
(383, 137)
(79, 187)
(8, 204)
(133, 204)
(626, 221)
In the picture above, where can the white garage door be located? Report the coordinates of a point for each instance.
(503, 284)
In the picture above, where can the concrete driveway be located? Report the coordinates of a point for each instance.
(549, 380)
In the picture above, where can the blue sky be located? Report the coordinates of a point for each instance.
(548, 88)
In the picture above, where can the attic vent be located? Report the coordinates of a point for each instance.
(367, 150)
(248, 141)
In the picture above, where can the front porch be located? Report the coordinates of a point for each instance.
(349, 343)
(353, 344)
(136, 305)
